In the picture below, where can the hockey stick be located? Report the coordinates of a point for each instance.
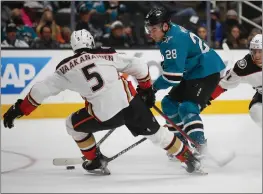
(126, 150)
(105, 137)
(74, 161)
(227, 52)
(104, 170)
(175, 126)
(219, 163)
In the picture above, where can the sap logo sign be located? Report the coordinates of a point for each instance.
(18, 72)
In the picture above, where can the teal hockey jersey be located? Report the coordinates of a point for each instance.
(185, 56)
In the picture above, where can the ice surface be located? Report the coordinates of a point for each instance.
(29, 148)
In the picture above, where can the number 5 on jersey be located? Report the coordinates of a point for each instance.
(93, 75)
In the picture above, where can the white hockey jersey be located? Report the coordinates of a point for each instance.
(94, 74)
(244, 71)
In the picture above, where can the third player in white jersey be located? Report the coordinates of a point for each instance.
(247, 70)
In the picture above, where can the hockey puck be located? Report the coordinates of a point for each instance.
(70, 167)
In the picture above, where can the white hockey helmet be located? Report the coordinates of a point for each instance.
(81, 39)
(256, 42)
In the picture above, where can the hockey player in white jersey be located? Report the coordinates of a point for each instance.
(247, 70)
(111, 101)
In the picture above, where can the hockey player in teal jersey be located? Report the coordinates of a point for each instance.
(190, 67)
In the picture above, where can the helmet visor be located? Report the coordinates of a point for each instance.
(152, 28)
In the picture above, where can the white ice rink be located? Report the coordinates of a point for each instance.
(28, 149)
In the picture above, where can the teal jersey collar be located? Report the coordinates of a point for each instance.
(168, 35)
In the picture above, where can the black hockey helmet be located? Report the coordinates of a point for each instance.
(157, 15)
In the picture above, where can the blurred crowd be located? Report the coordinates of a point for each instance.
(120, 24)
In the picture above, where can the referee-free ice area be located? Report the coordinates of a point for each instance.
(28, 149)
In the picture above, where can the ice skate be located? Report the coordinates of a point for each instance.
(98, 165)
(190, 162)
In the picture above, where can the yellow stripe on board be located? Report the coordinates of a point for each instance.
(63, 110)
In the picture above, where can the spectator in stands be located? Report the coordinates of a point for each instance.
(11, 38)
(232, 20)
(103, 9)
(177, 8)
(117, 37)
(29, 13)
(85, 15)
(121, 12)
(105, 13)
(5, 15)
(106, 8)
(56, 6)
(65, 33)
(48, 20)
(253, 33)
(202, 32)
(45, 41)
(216, 28)
(234, 39)
(25, 33)
(130, 14)
(5, 18)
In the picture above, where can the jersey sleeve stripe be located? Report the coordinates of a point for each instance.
(145, 79)
(31, 100)
(172, 74)
(127, 90)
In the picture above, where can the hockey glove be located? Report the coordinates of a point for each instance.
(13, 113)
(147, 95)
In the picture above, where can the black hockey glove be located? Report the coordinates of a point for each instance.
(147, 95)
(13, 113)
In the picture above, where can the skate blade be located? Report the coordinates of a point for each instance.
(101, 171)
(173, 159)
(199, 172)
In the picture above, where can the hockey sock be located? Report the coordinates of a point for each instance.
(182, 156)
(176, 133)
(170, 108)
(88, 146)
(177, 149)
(172, 129)
(193, 126)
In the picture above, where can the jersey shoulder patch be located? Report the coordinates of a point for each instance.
(242, 63)
(246, 66)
